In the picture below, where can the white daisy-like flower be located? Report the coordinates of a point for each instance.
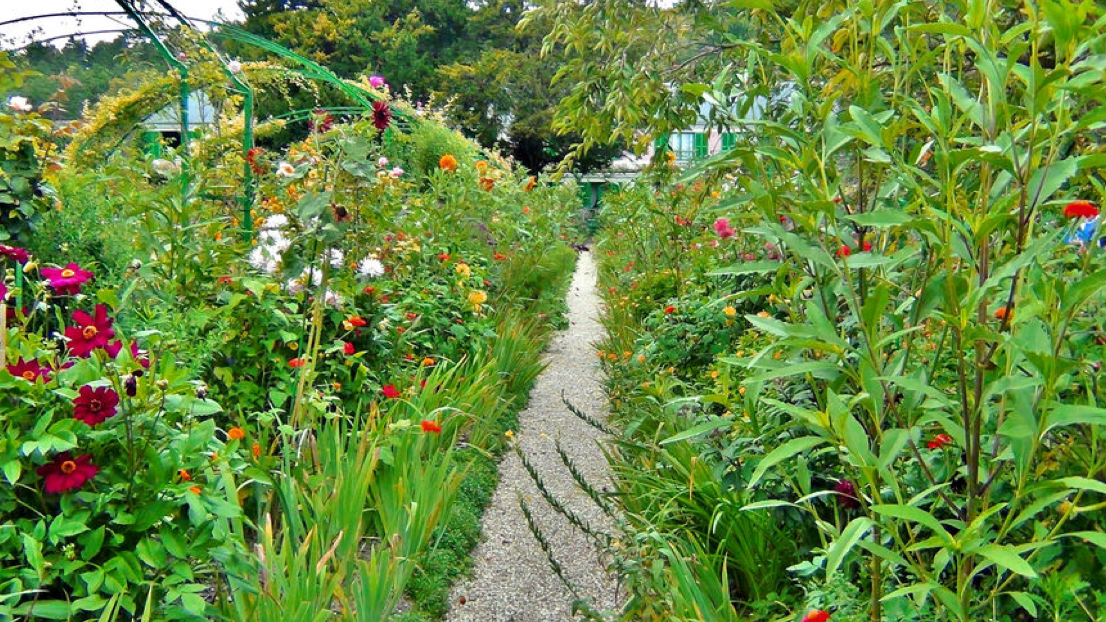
(276, 221)
(234, 66)
(297, 284)
(19, 103)
(382, 162)
(262, 259)
(371, 267)
(285, 169)
(332, 298)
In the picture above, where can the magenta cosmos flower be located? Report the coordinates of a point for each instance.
(382, 115)
(95, 405)
(13, 253)
(30, 371)
(377, 82)
(67, 280)
(91, 332)
(114, 348)
(67, 473)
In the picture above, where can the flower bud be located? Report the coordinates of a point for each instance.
(130, 385)
(162, 384)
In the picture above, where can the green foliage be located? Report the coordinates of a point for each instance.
(915, 400)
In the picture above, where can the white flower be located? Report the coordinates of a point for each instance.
(19, 104)
(276, 221)
(332, 298)
(371, 267)
(234, 66)
(261, 259)
(335, 257)
(382, 162)
(163, 167)
(285, 169)
(397, 172)
(297, 284)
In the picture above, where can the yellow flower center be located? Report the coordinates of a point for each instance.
(89, 332)
(29, 375)
(68, 467)
(67, 273)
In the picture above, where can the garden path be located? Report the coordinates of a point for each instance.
(512, 580)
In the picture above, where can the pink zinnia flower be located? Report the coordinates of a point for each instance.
(723, 229)
(90, 332)
(66, 473)
(67, 280)
(95, 405)
(377, 81)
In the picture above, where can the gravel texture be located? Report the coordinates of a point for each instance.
(512, 579)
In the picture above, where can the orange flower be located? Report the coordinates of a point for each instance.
(256, 449)
(236, 433)
(487, 183)
(195, 490)
(184, 475)
(296, 363)
(1003, 313)
(427, 362)
(431, 427)
(481, 166)
(530, 183)
(447, 163)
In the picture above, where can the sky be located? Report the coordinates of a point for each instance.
(17, 35)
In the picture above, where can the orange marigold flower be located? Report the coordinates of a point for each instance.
(195, 490)
(236, 433)
(530, 183)
(184, 475)
(1002, 313)
(256, 449)
(427, 362)
(447, 163)
(357, 321)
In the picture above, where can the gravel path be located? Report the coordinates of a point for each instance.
(512, 580)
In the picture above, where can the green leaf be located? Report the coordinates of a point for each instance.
(1025, 602)
(702, 428)
(913, 514)
(1083, 483)
(1047, 179)
(749, 267)
(881, 218)
(1007, 557)
(845, 542)
(783, 452)
(1073, 414)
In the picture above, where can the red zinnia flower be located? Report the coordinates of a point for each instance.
(412, 316)
(90, 332)
(431, 427)
(1080, 209)
(357, 321)
(348, 348)
(939, 441)
(723, 229)
(16, 254)
(443, 256)
(30, 371)
(844, 251)
(390, 391)
(382, 115)
(224, 280)
(93, 406)
(67, 280)
(297, 363)
(499, 256)
(816, 615)
(67, 473)
(670, 309)
(867, 246)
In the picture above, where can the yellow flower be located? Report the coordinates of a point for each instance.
(477, 297)
(509, 434)
(427, 362)
(463, 269)
(730, 311)
(714, 373)
(763, 314)
(481, 166)
(741, 390)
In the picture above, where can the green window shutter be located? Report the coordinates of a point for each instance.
(700, 145)
(729, 141)
(660, 144)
